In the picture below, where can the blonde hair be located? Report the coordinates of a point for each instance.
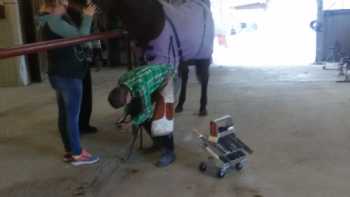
(52, 3)
(49, 5)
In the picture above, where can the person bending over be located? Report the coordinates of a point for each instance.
(137, 89)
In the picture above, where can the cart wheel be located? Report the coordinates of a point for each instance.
(202, 167)
(239, 166)
(221, 173)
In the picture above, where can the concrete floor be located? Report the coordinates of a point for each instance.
(295, 118)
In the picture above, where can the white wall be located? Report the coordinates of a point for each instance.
(283, 36)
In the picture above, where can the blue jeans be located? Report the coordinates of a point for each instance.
(69, 95)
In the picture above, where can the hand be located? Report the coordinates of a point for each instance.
(124, 122)
(124, 126)
(89, 10)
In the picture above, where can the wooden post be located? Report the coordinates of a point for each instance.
(2, 12)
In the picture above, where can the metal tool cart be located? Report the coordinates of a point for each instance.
(225, 148)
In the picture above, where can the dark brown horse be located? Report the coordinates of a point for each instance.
(175, 35)
(144, 19)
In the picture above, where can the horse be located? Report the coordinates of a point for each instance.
(178, 35)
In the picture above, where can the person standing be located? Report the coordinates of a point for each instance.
(67, 69)
(76, 17)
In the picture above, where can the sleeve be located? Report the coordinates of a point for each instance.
(147, 111)
(66, 30)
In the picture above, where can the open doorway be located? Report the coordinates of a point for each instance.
(264, 32)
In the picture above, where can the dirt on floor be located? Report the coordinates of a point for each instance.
(294, 118)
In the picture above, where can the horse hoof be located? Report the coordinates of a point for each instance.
(203, 112)
(178, 109)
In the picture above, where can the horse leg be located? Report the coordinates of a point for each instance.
(183, 71)
(202, 71)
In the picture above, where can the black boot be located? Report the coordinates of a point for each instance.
(168, 154)
(88, 130)
(167, 158)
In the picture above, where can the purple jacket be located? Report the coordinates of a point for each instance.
(188, 34)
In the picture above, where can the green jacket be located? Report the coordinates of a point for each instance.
(69, 61)
(142, 82)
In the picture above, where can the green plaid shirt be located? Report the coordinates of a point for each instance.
(142, 82)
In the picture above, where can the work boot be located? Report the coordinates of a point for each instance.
(88, 130)
(167, 158)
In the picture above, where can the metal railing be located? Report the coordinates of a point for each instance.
(36, 47)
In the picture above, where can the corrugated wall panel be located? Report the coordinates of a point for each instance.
(336, 29)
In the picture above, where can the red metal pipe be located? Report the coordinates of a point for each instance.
(52, 44)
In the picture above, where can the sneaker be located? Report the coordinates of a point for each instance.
(85, 158)
(68, 157)
(166, 159)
